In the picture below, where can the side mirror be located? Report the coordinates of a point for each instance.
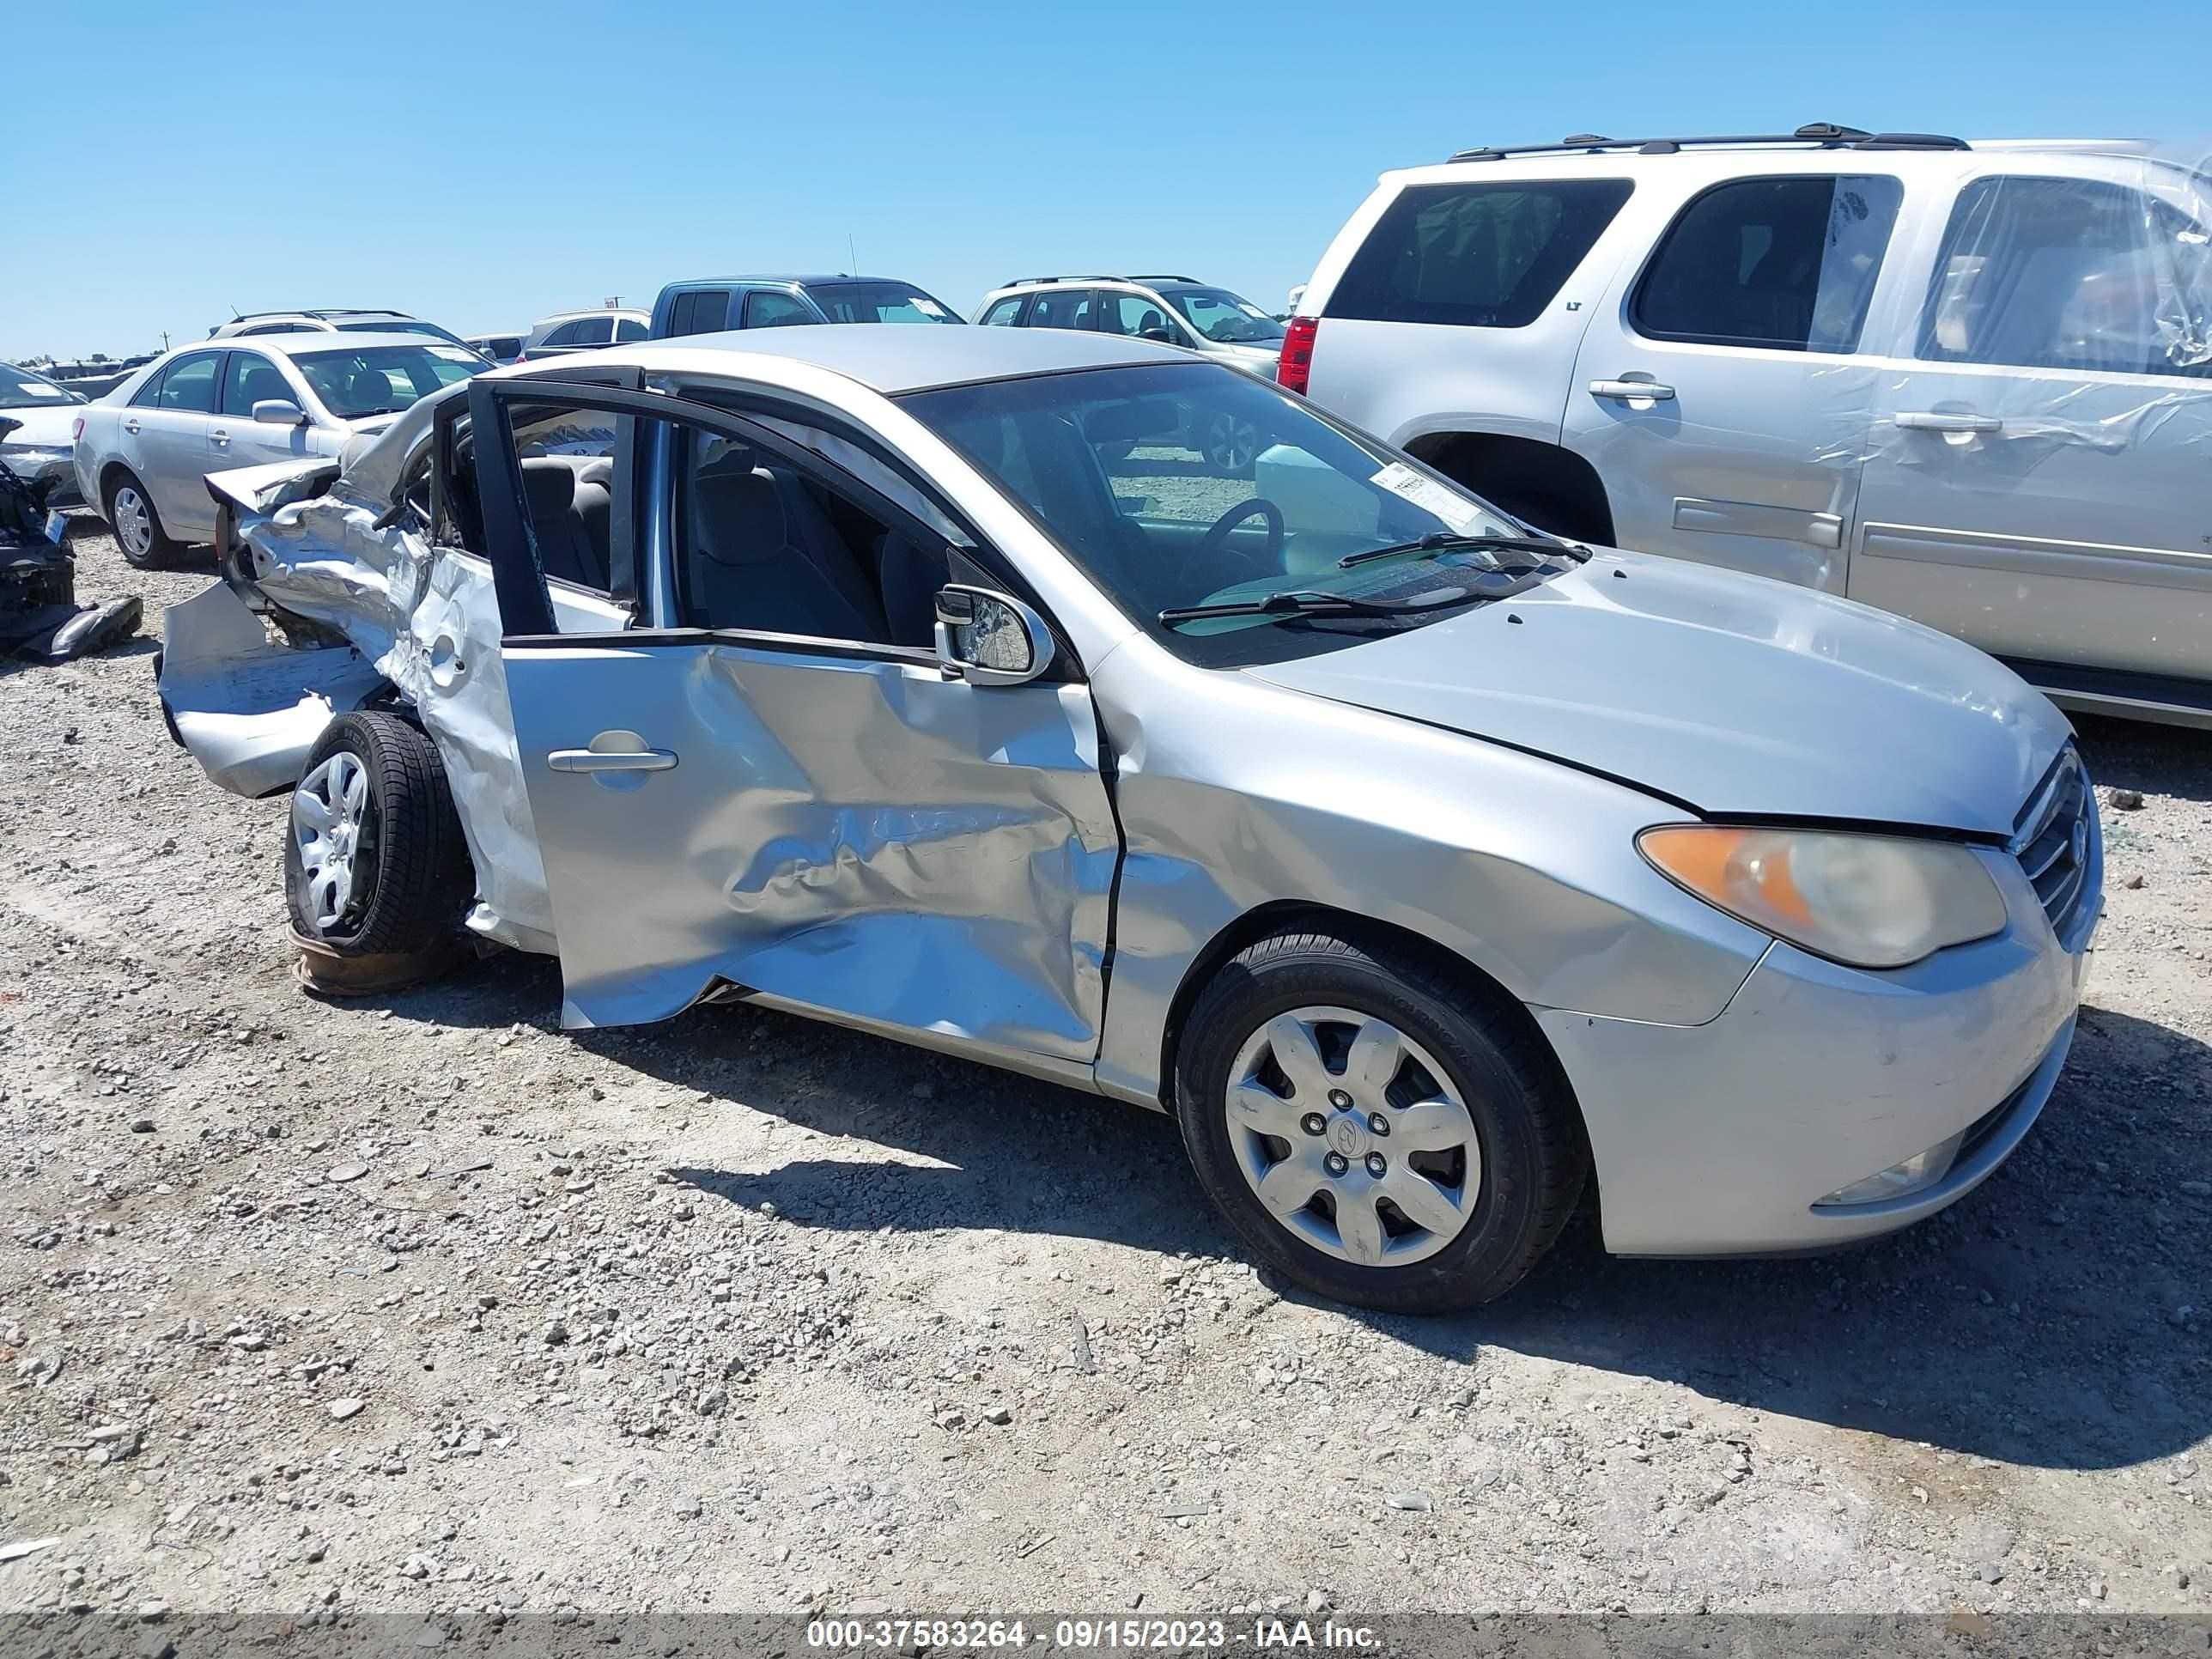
(990, 639)
(278, 412)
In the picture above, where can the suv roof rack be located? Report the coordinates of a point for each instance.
(1823, 134)
(1072, 277)
(1163, 277)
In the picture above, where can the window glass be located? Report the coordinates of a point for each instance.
(1063, 307)
(703, 311)
(769, 308)
(188, 384)
(1228, 318)
(248, 378)
(400, 325)
(1480, 256)
(2070, 273)
(567, 462)
(367, 381)
(869, 468)
(763, 546)
(1187, 483)
(1001, 315)
(878, 302)
(1137, 315)
(1780, 263)
(21, 389)
(149, 396)
(595, 331)
(566, 334)
(628, 328)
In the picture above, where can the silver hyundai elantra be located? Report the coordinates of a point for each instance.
(1431, 871)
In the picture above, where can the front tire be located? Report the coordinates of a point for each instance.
(1377, 1130)
(374, 860)
(145, 545)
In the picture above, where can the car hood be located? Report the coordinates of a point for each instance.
(1731, 694)
(44, 424)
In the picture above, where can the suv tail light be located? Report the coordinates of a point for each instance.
(76, 429)
(1295, 367)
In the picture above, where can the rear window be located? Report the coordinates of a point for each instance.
(1475, 255)
(701, 311)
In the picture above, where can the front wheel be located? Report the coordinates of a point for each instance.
(1373, 1128)
(374, 860)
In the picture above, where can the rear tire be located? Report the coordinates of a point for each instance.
(1448, 1153)
(374, 860)
(145, 545)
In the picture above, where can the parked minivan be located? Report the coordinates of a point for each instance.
(709, 305)
(1969, 384)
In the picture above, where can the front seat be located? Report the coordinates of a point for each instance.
(564, 549)
(751, 567)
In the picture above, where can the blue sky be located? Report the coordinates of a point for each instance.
(483, 164)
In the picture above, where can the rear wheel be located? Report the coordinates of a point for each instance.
(374, 860)
(1375, 1129)
(145, 545)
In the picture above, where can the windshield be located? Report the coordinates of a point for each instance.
(878, 302)
(395, 325)
(383, 380)
(20, 389)
(1184, 484)
(1220, 315)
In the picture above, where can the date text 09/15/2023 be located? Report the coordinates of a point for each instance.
(1090, 1635)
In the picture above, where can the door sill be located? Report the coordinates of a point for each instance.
(2166, 698)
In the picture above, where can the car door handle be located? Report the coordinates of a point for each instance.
(1624, 389)
(1923, 420)
(220, 439)
(616, 759)
(130, 426)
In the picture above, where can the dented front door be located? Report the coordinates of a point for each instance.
(834, 825)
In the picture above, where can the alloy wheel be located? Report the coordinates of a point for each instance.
(1353, 1137)
(1231, 444)
(134, 522)
(330, 824)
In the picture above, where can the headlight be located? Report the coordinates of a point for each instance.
(1869, 901)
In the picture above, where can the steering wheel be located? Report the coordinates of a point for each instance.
(1257, 506)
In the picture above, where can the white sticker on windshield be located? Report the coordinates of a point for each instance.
(927, 307)
(454, 353)
(1462, 515)
(37, 389)
(1251, 310)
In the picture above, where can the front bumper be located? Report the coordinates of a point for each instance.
(1721, 1138)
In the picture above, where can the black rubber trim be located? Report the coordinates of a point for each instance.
(797, 644)
(2171, 690)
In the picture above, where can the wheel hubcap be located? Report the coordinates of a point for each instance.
(1393, 1172)
(330, 810)
(134, 521)
(1230, 443)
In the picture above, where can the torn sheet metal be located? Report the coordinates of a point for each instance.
(367, 605)
(40, 620)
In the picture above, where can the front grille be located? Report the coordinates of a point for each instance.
(2052, 838)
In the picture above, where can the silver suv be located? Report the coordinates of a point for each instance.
(1968, 383)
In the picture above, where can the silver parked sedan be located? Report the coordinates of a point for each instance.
(925, 680)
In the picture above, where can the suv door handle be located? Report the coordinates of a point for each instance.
(616, 760)
(219, 438)
(1625, 389)
(1921, 420)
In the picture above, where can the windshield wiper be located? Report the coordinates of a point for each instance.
(1443, 541)
(1310, 602)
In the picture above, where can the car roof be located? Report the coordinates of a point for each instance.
(589, 310)
(893, 357)
(775, 277)
(292, 345)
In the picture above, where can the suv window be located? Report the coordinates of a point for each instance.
(567, 334)
(1477, 255)
(1132, 313)
(628, 328)
(248, 378)
(1063, 307)
(1002, 314)
(594, 331)
(768, 308)
(704, 311)
(1785, 264)
(188, 384)
(2070, 273)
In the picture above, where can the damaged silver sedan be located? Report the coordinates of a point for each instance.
(1427, 869)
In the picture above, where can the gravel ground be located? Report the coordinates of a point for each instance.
(417, 1304)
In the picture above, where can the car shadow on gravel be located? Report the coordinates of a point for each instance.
(2036, 1322)
(2163, 760)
